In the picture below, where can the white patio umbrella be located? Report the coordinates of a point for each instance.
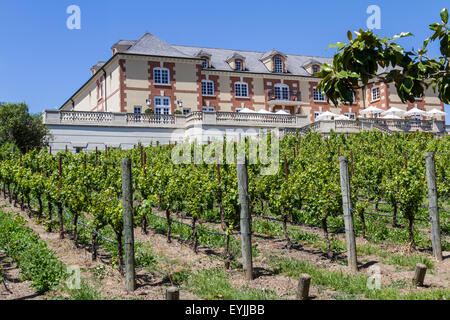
(265, 111)
(342, 117)
(415, 111)
(435, 113)
(371, 110)
(394, 111)
(247, 110)
(282, 112)
(327, 115)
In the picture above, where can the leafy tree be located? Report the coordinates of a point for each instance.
(361, 60)
(18, 126)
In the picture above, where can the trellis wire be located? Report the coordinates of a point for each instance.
(340, 229)
(190, 226)
(89, 228)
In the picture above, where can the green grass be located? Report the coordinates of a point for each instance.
(34, 259)
(348, 285)
(393, 259)
(85, 292)
(213, 284)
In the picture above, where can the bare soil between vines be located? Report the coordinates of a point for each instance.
(151, 285)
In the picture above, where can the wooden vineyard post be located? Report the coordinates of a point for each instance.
(172, 293)
(128, 225)
(419, 274)
(303, 286)
(246, 238)
(60, 207)
(348, 215)
(433, 206)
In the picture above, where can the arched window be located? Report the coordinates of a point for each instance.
(278, 64)
(205, 62)
(238, 65)
(316, 68)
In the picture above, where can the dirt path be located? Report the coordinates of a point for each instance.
(438, 278)
(178, 255)
(111, 285)
(12, 287)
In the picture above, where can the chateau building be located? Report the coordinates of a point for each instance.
(150, 74)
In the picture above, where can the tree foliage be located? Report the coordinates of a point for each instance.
(367, 57)
(20, 127)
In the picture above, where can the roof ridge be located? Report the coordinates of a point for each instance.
(139, 44)
(253, 51)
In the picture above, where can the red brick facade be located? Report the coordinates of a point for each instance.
(307, 102)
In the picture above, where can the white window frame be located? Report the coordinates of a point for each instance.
(160, 106)
(100, 90)
(186, 111)
(316, 114)
(240, 65)
(283, 92)
(236, 91)
(206, 108)
(375, 96)
(318, 96)
(205, 63)
(416, 117)
(137, 108)
(207, 91)
(160, 81)
(276, 65)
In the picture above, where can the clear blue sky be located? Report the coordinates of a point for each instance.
(43, 63)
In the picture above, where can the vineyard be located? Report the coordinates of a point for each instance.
(301, 206)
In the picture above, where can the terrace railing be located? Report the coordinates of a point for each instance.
(150, 118)
(82, 116)
(255, 117)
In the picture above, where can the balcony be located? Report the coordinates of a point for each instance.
(109, 119)
(286, 98)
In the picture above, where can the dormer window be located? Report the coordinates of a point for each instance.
(316, 68)
(205, 63)
(278, 65)
(238, 65)
(236, 62)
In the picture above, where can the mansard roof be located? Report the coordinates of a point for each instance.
(203, 53)
(148, 44)
(219, 58)
(271, 53)
(311, 62)
(235, 55)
